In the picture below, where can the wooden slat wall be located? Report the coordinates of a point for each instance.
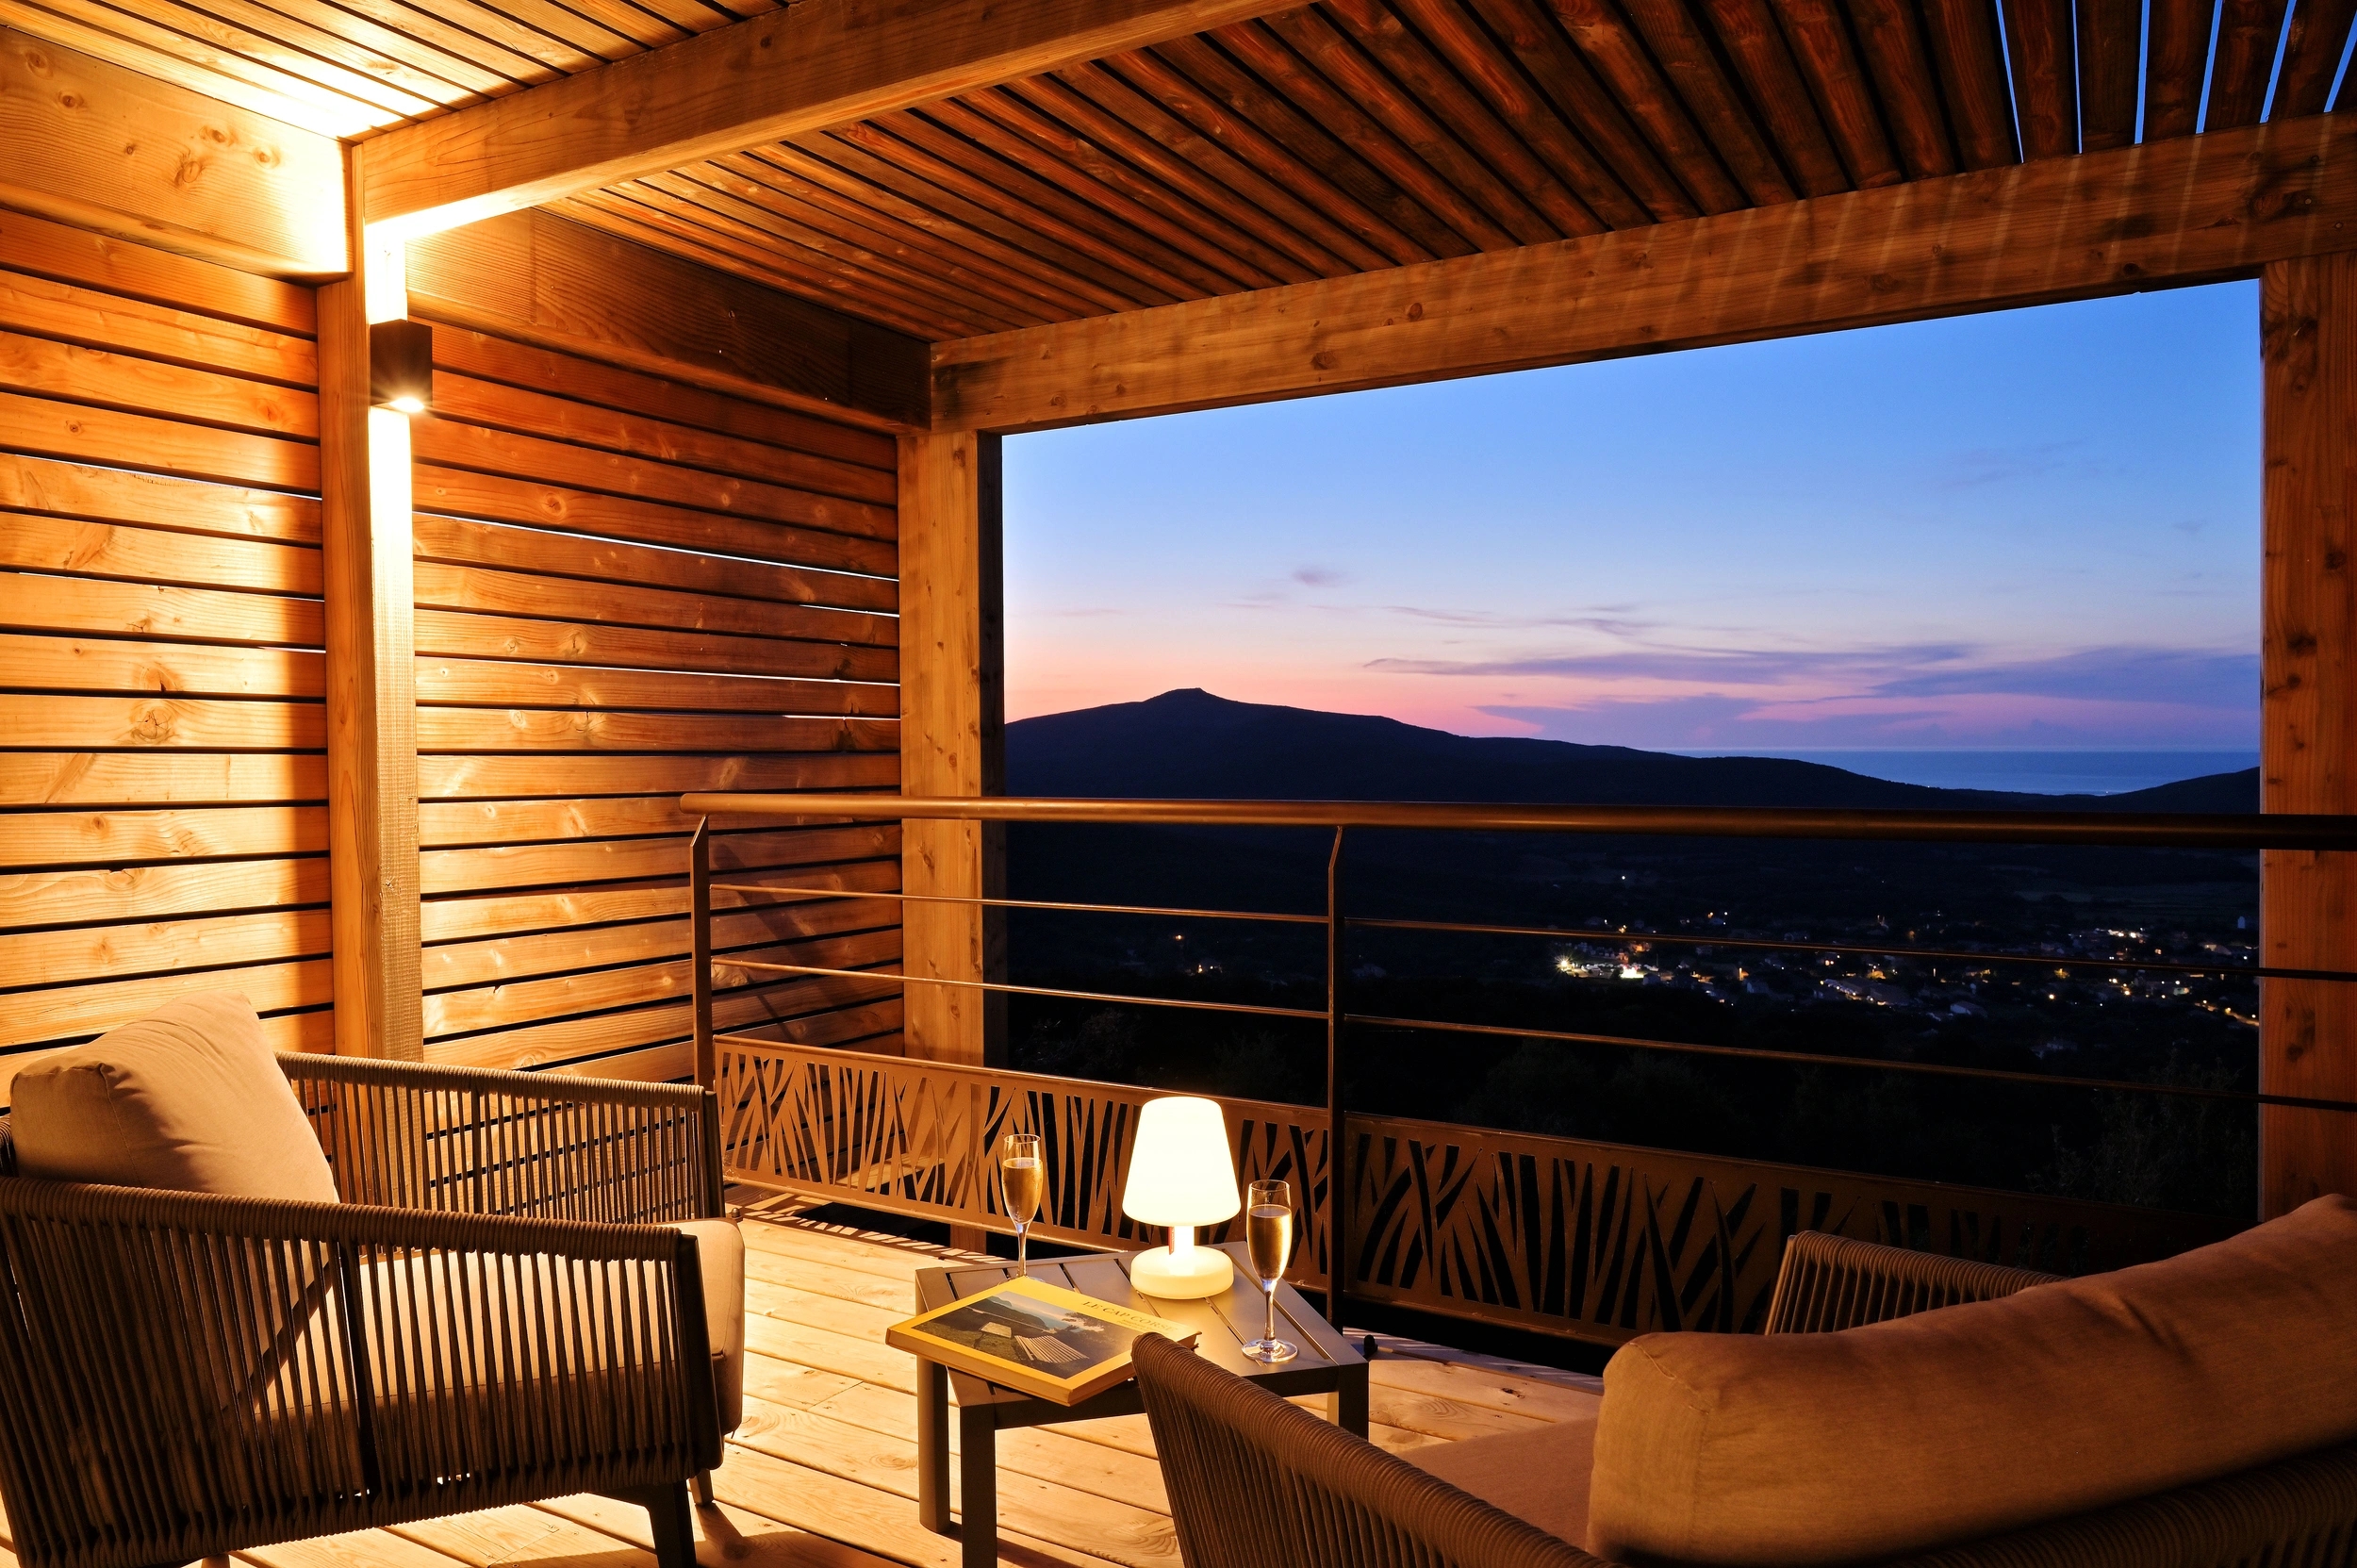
(627, 588)
(161, 728)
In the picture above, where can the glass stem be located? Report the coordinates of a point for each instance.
(1269, 1331)
(1023, 1250)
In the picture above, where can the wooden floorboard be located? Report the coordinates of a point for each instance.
(823, 1473)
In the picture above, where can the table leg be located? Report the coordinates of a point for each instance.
(978, 1487)
(932, 1447)
(1347, 1407)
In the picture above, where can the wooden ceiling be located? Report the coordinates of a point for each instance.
(345, 68)
(1342, 137)
(1362, 134)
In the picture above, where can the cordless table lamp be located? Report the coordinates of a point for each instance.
(1182, 1176)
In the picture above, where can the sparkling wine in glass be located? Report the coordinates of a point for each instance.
(1268, 1234)
(1022, 1177)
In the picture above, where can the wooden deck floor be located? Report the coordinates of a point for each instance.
(823, 1474)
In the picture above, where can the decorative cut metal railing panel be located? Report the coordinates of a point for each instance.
(1594, 1239)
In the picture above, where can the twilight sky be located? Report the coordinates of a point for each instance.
(2038, 528)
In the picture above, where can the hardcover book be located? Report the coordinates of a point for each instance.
(1038, 1339)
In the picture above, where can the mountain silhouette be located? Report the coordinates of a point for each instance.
(1191, 744)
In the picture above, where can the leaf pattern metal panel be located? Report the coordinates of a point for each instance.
(1593, 1240)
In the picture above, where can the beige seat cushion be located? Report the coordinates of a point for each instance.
(1955, 1424)
(720, 1249)
(191, 1099)
(1539, 1476)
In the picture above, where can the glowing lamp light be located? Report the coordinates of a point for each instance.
(1182, 1175)
(401, 366)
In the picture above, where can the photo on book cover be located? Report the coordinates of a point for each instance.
(1028, 1331)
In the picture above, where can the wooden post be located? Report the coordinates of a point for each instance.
(952, 738)
(372, 674)
(699, 943)
(2308, 901)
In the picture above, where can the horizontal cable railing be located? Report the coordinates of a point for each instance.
(2213, 832)
(2159, 829)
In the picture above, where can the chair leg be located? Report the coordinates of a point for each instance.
(703, 1488)
(674, 1522)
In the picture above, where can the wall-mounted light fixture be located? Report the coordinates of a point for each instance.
(401, 366)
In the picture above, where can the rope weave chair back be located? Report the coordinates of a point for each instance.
(538, 1146)
(1832, 1282)
(183, 1373)
(1256, 1481)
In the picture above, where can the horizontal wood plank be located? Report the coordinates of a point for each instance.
(448, 823)
(484, 778)
(185, 669)
(311, 1031)
(452, 966)
(847, 1016)
(512, 1002)
(164, 946)
(95, 260)
(451, 444)
(586, 729)
(49, 308)
(454, 542)
(825, 1011)
(153, 555)
(74, 723)
(123, 837)
(671, 1063)
(531, 412)
(483, 683)
(44, 427)
(501, 498)
(119, 495)
(156, 892)
(627, 859)
(158, 778)
(487, 590)
(67, 1011)
(589, 380)
(513, 914)
(43, 367)
(476, 635)
(32, 603)
(2190, 210)
(459, 919)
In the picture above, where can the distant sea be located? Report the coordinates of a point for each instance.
(2026, 772)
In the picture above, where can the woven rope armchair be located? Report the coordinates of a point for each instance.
(1255, 1480)
(499, 1310)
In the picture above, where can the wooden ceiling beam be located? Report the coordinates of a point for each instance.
(2192, 210)
(537, 278)
(806, 68)
(102, 148)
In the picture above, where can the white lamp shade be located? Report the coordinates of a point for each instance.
(1180, 1171)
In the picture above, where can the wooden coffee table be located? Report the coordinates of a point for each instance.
(1326, 1366)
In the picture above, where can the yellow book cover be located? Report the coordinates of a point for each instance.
(1040, 1339)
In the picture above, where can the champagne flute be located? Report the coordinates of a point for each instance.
(1022, 1175)
(1268, 1234)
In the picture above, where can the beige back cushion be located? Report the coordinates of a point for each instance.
(190, 1097)
(1951, 1424)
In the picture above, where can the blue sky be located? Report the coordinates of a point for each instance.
(2037, 528)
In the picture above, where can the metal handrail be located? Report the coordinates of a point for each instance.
(2149, 829)
(2126, 830)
